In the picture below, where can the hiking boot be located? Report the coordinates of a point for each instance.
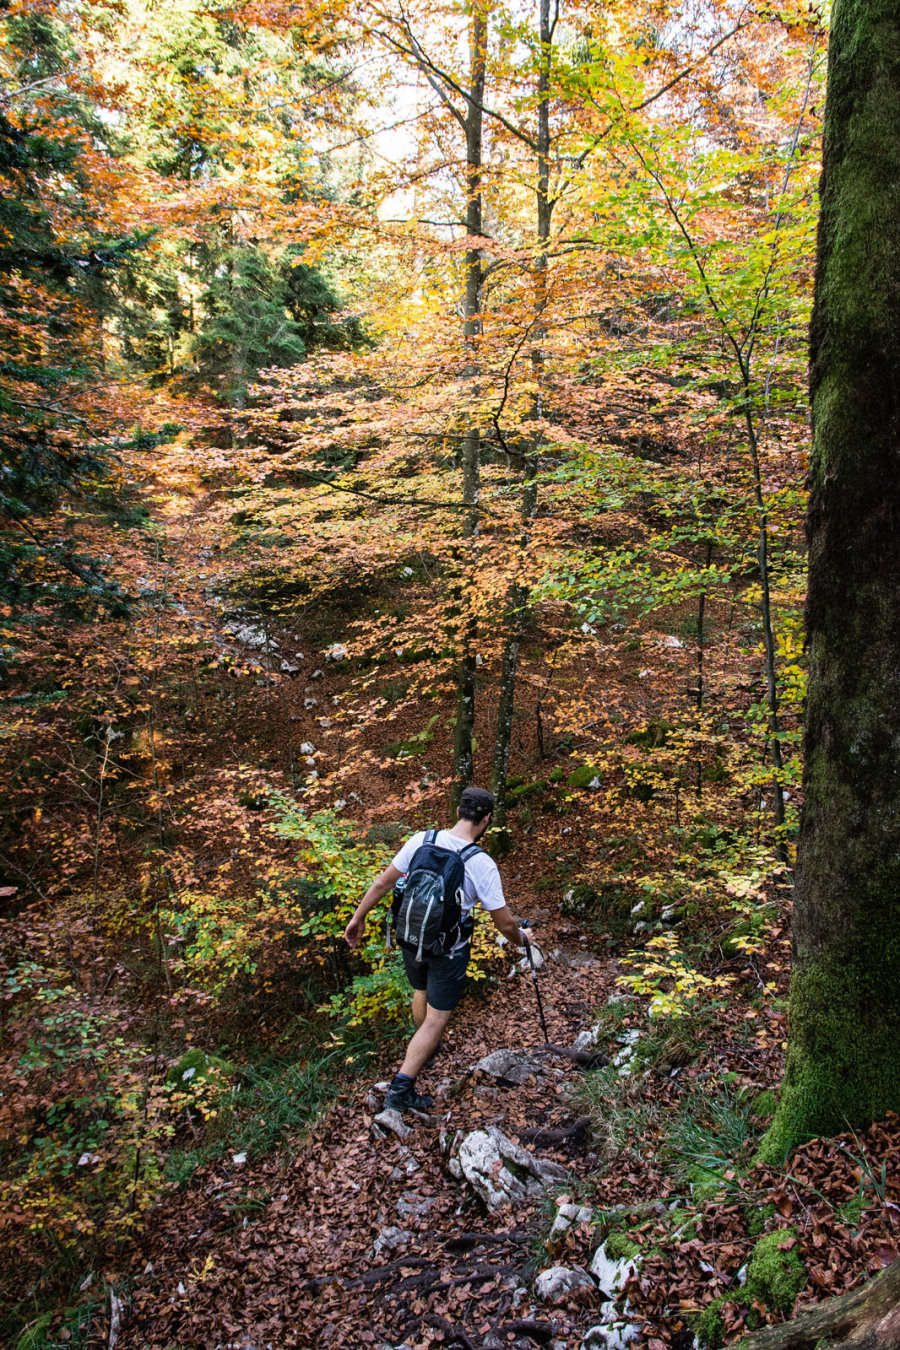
(407, 1099)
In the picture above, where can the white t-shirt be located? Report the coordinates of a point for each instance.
(482, 884)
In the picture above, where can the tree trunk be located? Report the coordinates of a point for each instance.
(518, 592)
(464, 732)
(844, 1056)
(865, 1319)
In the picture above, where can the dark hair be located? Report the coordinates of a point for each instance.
(475, 804)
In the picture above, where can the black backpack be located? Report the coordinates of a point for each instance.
(428, 901)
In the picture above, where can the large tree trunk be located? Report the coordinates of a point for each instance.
(865, 1319)
(844, 1056)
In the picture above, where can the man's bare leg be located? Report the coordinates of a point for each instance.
(419, 1007)
(427, 1038)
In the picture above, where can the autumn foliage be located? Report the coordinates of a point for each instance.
(297, 473)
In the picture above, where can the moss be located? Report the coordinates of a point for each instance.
(709, 1326)
(526, 790)
(558, 774)
(196, 1066)
(851, 1212)
(776, 1276)
(757, 1217)
(763, 1105)
(584, 776)
(620, 1247)
(842, 1065)
(653, 736)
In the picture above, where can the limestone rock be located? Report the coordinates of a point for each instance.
(391, 1122)
(610, 1336)
(412, 1205)
(511, 1066)
(566, 1216)
(559, 1283)
(499, 1171)
(389, 1239)
(611, 1275)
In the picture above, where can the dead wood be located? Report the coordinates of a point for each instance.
(453, 1335)
(867, 1318)
(547, 1136)
(541, 1332)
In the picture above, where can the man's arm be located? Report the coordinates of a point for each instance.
(380, 886)
(508, 927)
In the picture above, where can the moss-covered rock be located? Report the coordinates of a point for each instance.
(585, 776)
(519, 794)
(620, 1247)
(652, 736)
(196, 1067)
(776, 1275)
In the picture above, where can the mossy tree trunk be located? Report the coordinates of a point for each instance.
(844, 1055)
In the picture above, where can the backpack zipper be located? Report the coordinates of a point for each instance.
(422, 929)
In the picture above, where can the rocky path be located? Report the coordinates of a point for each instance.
(378, 1235)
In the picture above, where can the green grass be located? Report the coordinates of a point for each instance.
(274, 1098)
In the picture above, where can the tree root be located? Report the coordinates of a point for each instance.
(867, 1318)
(547, 1136)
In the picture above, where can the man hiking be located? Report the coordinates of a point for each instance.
(445, 875)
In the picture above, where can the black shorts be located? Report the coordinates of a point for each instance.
(443, 978)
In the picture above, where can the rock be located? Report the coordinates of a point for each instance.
(499, 1171)
(248, 635)
(391, 1122)
(583, 959)
(510, 1066)
(336, 652)
(412, 1205)
(317, 675)
(389, 1239)
(559, 1283)
(566, 1216)
(288, 668)
(587, 1040)
(408, 1164)
(612, 1275)
(307, 748)
(537, 956)
(310, 702)
(610, 1336)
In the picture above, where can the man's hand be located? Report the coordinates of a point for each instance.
(354, 930)
(527, 934)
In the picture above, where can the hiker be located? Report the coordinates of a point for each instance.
(442, 873)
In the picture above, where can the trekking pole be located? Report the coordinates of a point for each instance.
(534, 981)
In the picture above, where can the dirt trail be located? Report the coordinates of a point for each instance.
(280, 1253)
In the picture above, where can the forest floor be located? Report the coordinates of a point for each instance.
(276, 1246)
(283, 1252)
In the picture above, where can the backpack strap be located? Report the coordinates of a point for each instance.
(468, 852)
(430, 836)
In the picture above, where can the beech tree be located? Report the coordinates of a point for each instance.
(843, 1059)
